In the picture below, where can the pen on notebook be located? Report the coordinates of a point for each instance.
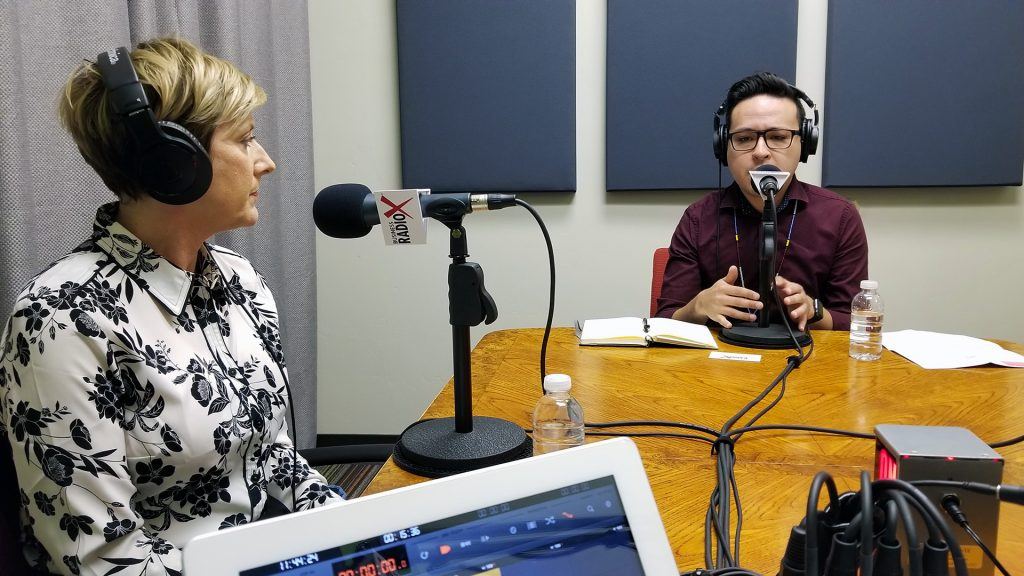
(647, 327)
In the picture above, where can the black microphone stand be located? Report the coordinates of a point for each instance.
(764, 333)
(445, 446)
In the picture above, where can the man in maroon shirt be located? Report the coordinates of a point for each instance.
(822, 251)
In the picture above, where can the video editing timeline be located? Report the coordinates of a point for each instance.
(579, 529)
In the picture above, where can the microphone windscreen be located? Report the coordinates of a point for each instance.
(767, 168)
(338, 211)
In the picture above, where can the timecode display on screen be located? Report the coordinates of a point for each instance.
(392, 561)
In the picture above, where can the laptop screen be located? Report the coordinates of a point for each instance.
(576, 529)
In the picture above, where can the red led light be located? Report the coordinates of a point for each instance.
(950, 459)
(887, 467)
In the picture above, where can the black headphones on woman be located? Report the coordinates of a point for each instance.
(166, 158)
(808, 130)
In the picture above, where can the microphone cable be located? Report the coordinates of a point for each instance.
(551, 295)
(1005, 443)
(951, 505)
(931, 515)
(726, 491)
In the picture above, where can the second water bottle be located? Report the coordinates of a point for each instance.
(558, 417)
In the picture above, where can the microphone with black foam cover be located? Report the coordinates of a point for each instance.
(345, 211)
(350, 210)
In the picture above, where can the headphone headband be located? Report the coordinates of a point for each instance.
(166, 158)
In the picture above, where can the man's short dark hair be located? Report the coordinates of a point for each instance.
(762, 83)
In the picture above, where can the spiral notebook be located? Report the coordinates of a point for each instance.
(645, 332)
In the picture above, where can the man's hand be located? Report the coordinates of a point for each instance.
(799, 305)
(724, 300)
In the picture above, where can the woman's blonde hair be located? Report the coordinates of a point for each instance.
(184, 85)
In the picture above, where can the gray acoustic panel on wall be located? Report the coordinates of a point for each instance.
(670, 63)
(924, 93)
(488, 94)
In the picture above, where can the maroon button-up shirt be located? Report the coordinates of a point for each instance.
(827, 254)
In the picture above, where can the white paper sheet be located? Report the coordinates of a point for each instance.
(934, 350)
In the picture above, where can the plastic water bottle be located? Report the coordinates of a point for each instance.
(558, 417)
(866, 313)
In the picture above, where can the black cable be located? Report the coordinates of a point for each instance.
(757, 399)
(655, 423)
(736, 499)
(1003, 492)
(802, 428)
(723, 507)
(652, 435)
(867, 509)
(974, 535)
(713, 520)
(718, 224)
(951, 505)
(821, 479)
(892, 517)
(766, 409)
(551, 295)
(930, 510)
(721, 501)
(1009, 442)
(909, 530)
(991, 556)
(792, 363)
(746, 429)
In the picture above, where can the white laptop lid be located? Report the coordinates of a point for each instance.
(586, 510)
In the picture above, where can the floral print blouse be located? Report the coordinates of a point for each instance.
(145, 405)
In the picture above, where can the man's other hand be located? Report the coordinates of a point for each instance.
(724, 300)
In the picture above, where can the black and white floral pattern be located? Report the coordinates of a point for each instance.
(145, 405)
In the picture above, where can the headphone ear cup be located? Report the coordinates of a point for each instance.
(176, 170)
(808, 139)
(720, 139)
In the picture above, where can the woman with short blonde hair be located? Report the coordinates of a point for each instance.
(142, 383)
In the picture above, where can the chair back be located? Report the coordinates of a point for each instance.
(12, 561)
(657, 277)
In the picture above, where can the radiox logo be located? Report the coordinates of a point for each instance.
(397, 216)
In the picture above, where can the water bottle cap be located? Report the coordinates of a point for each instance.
(557, 383)
(869, 284)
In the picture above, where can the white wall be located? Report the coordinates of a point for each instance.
(946, 259)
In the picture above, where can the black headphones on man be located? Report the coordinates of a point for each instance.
(808, 130)
(167, 159)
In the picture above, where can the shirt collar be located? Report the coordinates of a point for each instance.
(151, 271)
(734, 197)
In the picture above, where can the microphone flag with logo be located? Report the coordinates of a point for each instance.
(401, 216)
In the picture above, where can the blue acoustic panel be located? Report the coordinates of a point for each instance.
(670, 63)
(488, 94)
(924, 93)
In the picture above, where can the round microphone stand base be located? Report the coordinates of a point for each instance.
(434, 449)
(772, 336)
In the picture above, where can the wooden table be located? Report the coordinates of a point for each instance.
(773, 468)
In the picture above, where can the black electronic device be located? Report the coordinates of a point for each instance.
(919, 453)
(808, 130)
(170, 163)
